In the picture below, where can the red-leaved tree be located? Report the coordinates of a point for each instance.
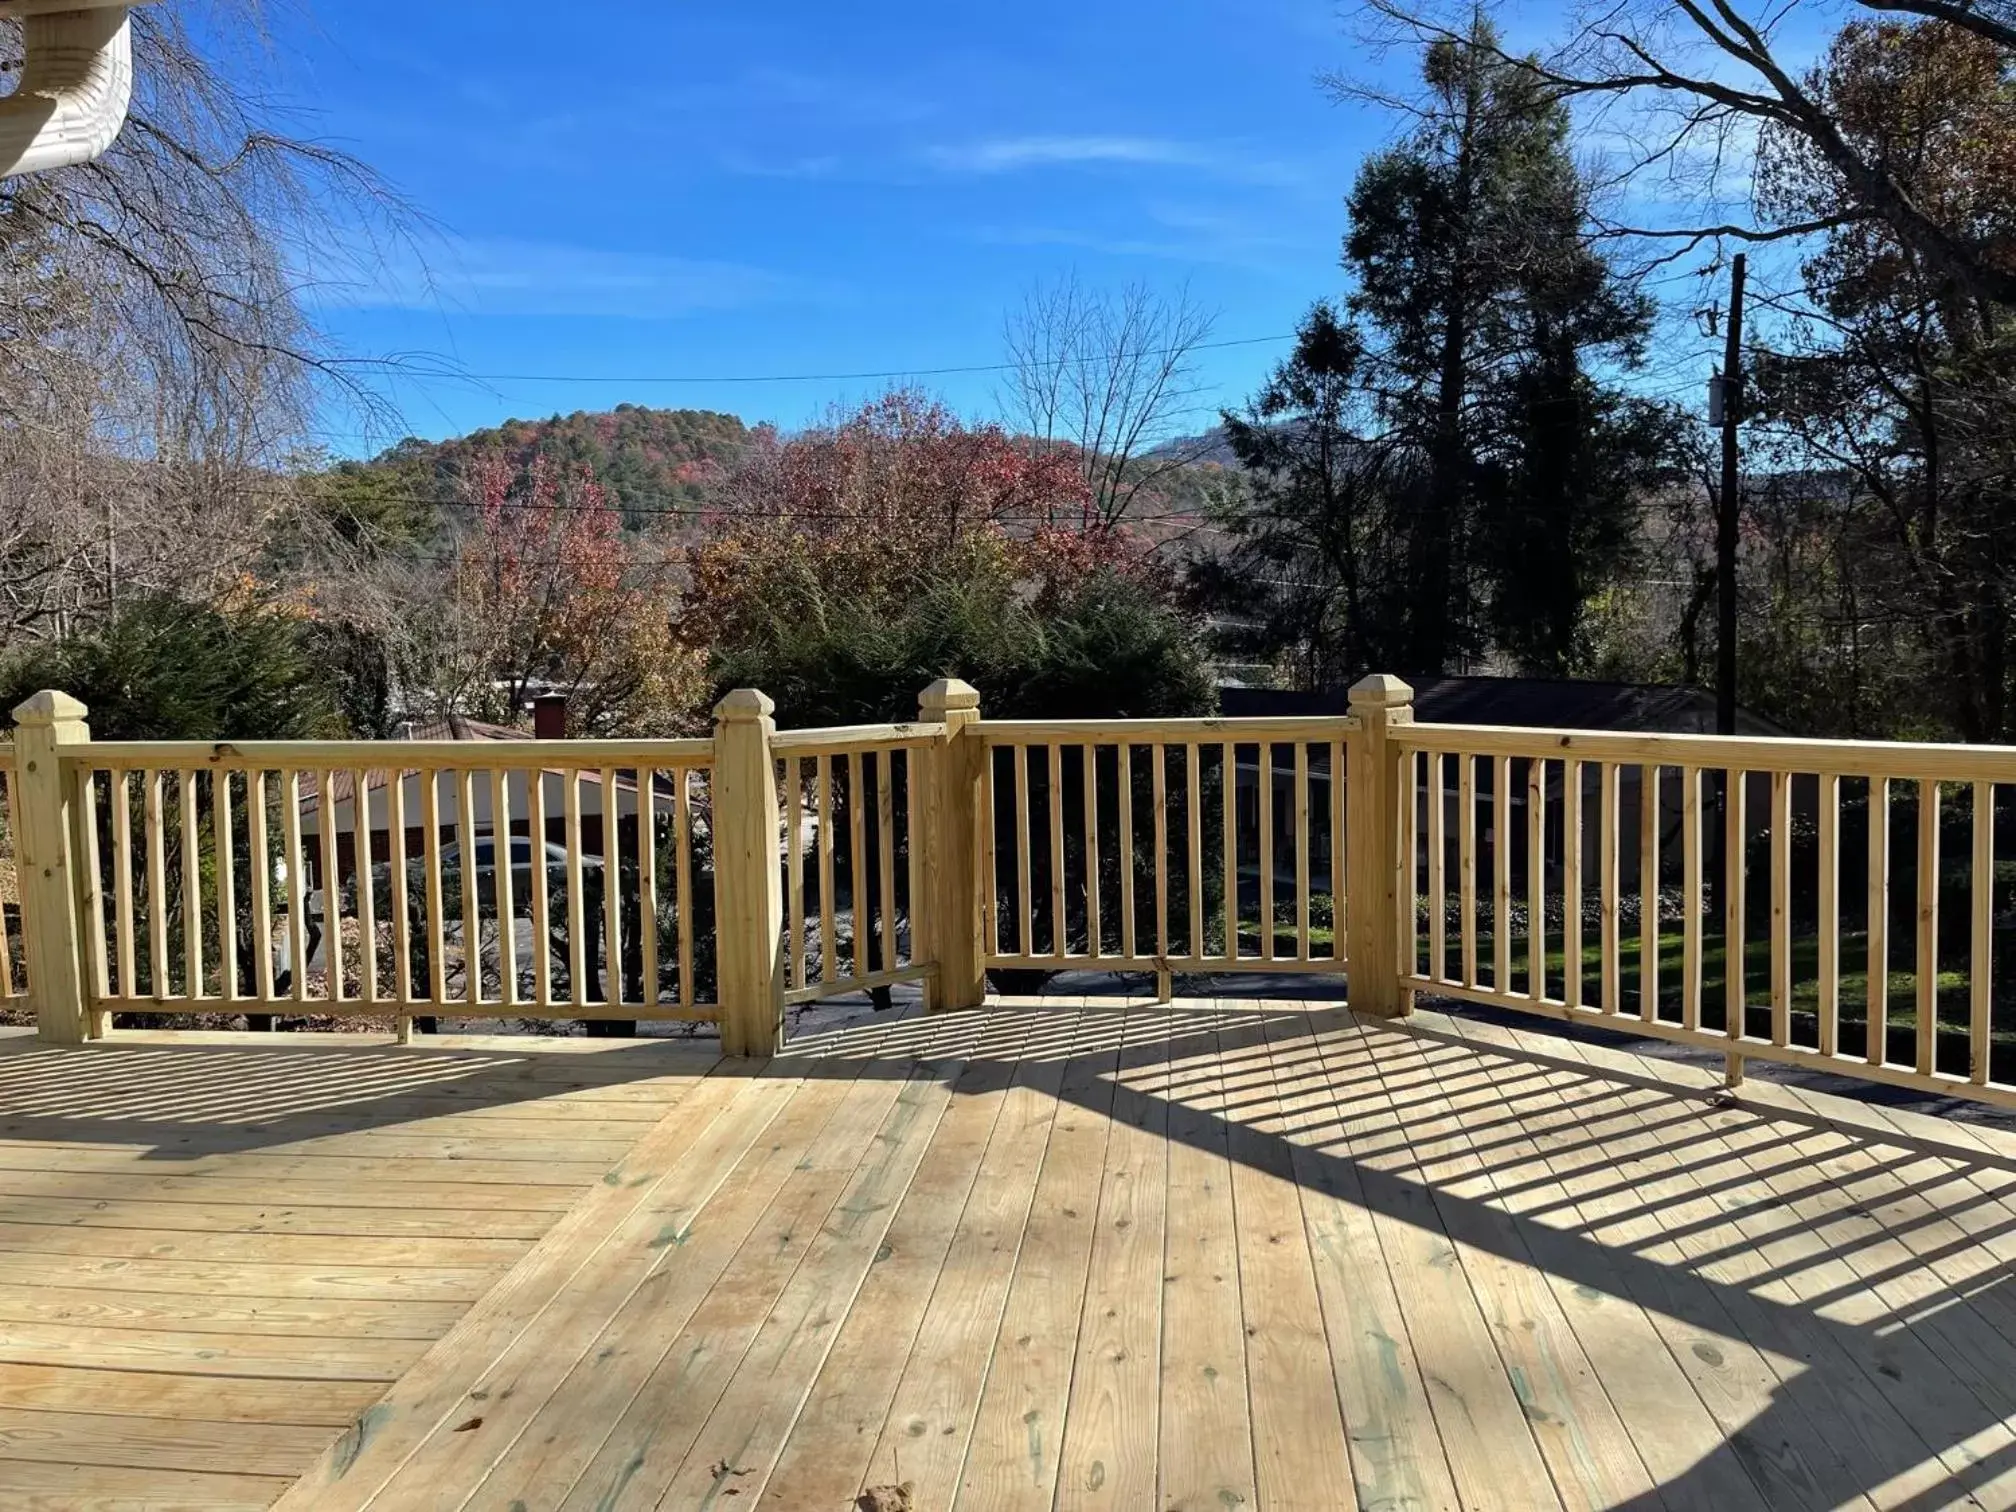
(549, 589)
(873, 504)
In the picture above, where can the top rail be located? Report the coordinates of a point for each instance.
(1906, 759)
(844, 738)
(998, 732)
(376, 755)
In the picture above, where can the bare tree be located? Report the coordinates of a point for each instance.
(1111, 377)
(158, 366)
(1686, 88)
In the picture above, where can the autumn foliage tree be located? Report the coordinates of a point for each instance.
(548, 590)
(896, 544)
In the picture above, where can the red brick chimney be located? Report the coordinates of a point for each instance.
(549, 716)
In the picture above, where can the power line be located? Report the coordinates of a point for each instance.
(746, 378)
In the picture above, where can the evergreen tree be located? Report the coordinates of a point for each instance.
(1489, 315)
(1312, 578)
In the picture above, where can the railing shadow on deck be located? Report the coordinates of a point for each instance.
(185, 1101)
(1216, 1079)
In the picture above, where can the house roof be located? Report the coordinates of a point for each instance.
(1521, 702)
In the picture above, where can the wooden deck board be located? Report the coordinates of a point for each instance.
(208, 1268)
(1049, 1254)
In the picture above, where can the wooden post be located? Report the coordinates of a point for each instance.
(53, 888)
(1373, 864)
(951, 819)
(748, 876)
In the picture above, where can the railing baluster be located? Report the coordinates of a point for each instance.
(99, 980)
(1928, 926)
(1438, 883)
(332, 882)
(472, 883)
(914, 850)
(860, 901)
(829, 902)
(1193, 805)
(1301, 850)
(1266, 775)
(436, 921)
(542, 888)
(682, 868)
(1981, 963)
(1340, 896)
(1648, 889)
(1571, 882)
(1159, 791)
(1466, 862)
(1060, 930)
(1878, 1031)
(297, 881)
(7, 803)
(192, 892)
(612, 889)
(1025, 884)
(1536, 879)
(157, 889)
(1501, 874)
(1095, 942)
(402, 902)
(1781, 908)
(990, 860)
(1609, 799)
(885, 816)
(577, 901)
(367, 886)
(1735, 984)
(1828, 986)
(1690, 897)
(505, 855)
(261, 882)
(1129, 934)
(794, 875)
(1228, 822)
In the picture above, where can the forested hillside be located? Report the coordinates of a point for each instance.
(650, 462)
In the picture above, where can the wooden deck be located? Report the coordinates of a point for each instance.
(1075, 1254)
(216, 1251)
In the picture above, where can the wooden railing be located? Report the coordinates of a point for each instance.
(1172, 845)
(394, 879)
(1831, 904)
(851, 856)
(1823, 903)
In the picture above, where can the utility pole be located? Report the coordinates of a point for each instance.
(1729, 506)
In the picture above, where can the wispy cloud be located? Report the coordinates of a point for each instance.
(500, 276)
(1014, 154)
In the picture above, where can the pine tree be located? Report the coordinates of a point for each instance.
(1312, 578)
(1490, 316)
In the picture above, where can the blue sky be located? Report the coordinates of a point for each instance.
(715, 189)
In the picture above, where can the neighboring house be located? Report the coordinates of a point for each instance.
(1522, 703)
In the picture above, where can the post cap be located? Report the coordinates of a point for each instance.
(949, 693)
(1381, 690)
(745, 704)
(49, 707)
